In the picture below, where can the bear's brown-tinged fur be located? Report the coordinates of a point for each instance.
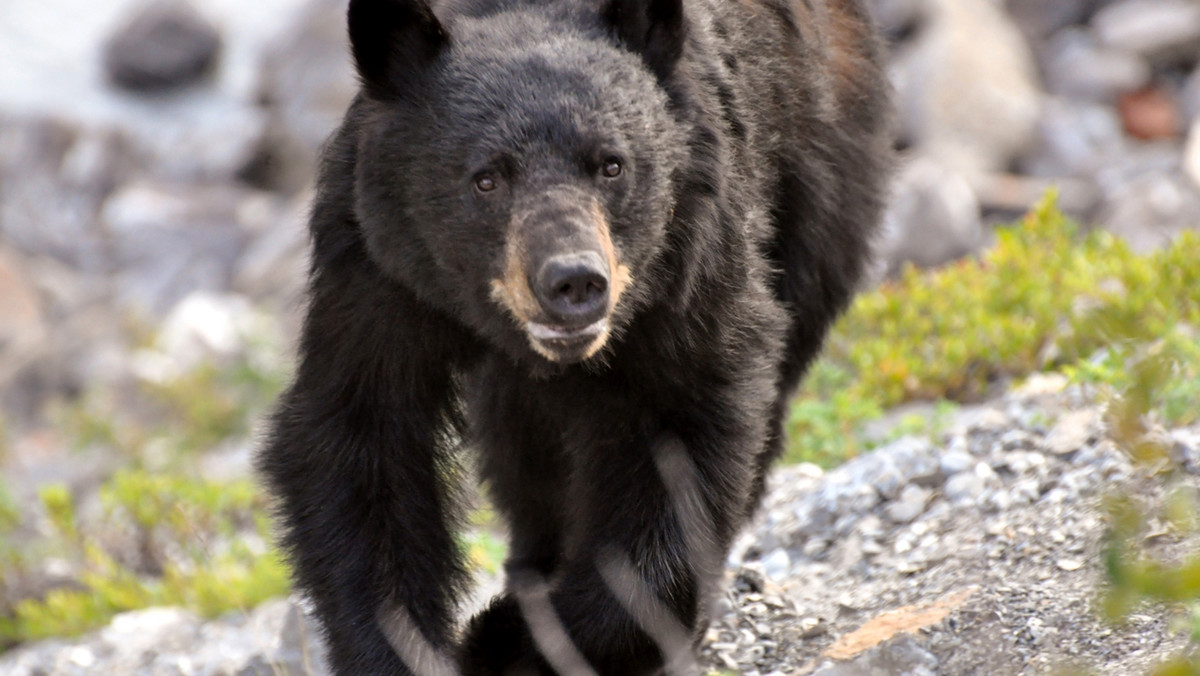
(600, 240)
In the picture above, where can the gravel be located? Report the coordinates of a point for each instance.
(1002, 541)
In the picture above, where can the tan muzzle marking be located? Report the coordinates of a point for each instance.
(512, 291)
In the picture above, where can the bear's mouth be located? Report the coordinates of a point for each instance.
(567, 343)
(548, 332)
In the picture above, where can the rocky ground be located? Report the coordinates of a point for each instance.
(975, 552)
(155, 166)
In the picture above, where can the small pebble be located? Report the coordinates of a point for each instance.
(954, 462)
(909, 506)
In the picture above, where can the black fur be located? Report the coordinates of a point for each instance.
(752, 142)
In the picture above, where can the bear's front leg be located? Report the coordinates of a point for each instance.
(357, 461)
(651, 520)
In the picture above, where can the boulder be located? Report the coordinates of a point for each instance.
(967, 87)
(167, 44)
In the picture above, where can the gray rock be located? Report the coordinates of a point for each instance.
(810, 520)
(167, 44)
(1185, 449)
(1026, 491)
(954, 462)
(57, 173)
(1039, 18)
(309, 83)
(275, 639)
(1189, 96)
(273, 267)
(886, 478)
(1163, 31)
(1139, 161)
(301, 647)
(904, 655)
(171, 240)
(967, 87)
(1150, 211)
(841, 669)
(933, 218)
(910, 505)
(1079, 67)
(916, 458)
(964, 488)
(899, 656)
(140, 638)
(1076, 139)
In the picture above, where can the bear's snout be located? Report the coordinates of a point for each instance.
(572, 288)
(562, 276)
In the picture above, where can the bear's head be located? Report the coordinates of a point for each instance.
(515, 165)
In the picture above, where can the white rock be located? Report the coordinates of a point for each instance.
(1072, 431)
(1191, 154)
(135, 637)
(202, 327)
(967, 87)
(777, 565)
(1156, 29)
(933, 218)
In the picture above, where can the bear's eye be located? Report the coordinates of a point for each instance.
(485, 183)
(612, 167)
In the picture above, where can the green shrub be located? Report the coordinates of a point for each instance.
(196, 527)
(1045, 297)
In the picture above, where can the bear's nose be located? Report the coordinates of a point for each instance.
(573, 288)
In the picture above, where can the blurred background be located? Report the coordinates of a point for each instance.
(156, 162)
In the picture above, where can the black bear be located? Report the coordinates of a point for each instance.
(596, 243)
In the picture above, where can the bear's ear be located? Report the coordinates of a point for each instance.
(392, 41)
(656, 29)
